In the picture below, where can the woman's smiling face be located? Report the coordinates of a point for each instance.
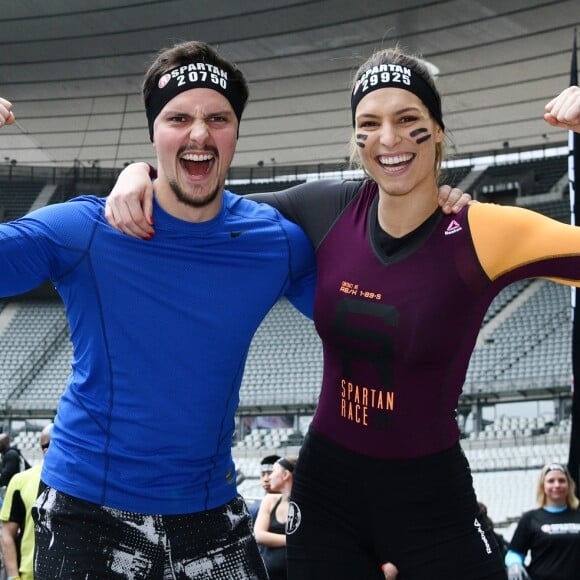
(396, 140)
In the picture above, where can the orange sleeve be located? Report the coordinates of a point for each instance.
(507, 237)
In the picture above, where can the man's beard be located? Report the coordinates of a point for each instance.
(183, 198)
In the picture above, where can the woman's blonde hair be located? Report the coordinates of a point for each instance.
(396, 56)
(571, 499)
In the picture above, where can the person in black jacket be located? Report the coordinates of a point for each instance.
(12, 460)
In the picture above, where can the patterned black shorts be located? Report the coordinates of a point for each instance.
(76, 539)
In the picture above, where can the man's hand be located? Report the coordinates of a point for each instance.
(517, 572)
(453, 200)
(129, 206)
(6, 114)
(564, 110)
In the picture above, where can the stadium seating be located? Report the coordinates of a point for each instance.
(33, 337)
(284, 366)
(529, 348)
(556, 209)
(17, 197)
(531, 177)
(453, 176)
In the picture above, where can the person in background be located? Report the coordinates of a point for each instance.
(270, 527)
(266, 467)
(13, 461)
(17, 537)
(550, 533)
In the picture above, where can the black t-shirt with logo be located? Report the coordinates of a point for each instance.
(554, 542)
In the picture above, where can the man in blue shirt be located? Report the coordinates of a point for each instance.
(139, 477)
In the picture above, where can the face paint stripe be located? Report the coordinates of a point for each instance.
(360, 140)
(416, 132)
(423, 139)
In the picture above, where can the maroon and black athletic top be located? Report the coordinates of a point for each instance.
(399, 318)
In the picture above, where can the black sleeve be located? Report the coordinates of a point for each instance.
(314, 205)
(10, 466)
(17, 510)
(521, 539)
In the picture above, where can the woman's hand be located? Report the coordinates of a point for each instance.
(129, 207)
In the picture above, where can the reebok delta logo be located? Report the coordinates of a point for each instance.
(453, 228)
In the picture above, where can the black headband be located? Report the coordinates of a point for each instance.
(196, 75)
(400, 77)
(285, 464)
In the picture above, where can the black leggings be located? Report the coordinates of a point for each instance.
(351, 513)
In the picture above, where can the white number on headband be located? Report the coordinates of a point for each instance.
(195, 76)
(385, 77)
